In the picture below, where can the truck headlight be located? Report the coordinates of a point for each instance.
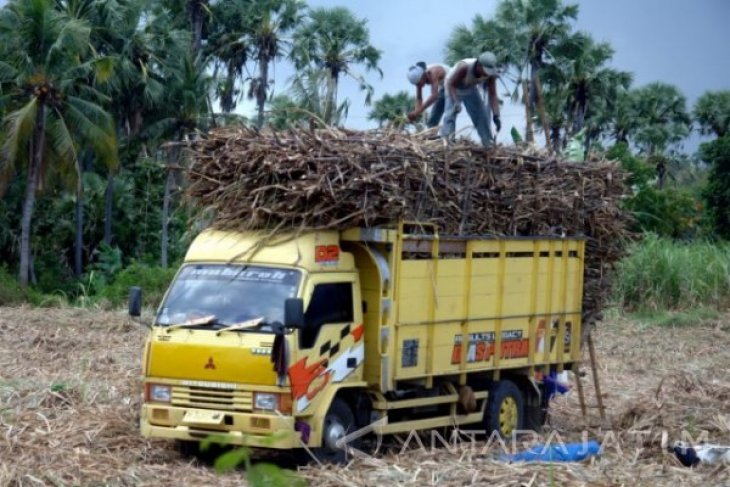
(265, 400)
(159, 393)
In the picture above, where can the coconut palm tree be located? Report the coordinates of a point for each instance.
(522, 35)
(535, 27)
(392, 110)
(186, 109)
(269, 21)
(197, 12)
(305, 102)
(193, 16)
(335, 40)
(140, 45)
(661, 112)
(228, 46)
(49, 80)
(579, 83)
(712, 113)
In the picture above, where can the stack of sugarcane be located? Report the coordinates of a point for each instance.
(334, 179)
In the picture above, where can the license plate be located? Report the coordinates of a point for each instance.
(203, 417)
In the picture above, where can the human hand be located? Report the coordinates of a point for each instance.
(413, 116)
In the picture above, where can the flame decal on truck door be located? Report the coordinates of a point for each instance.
(328, 367)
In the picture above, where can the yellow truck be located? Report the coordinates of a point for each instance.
(302, 339)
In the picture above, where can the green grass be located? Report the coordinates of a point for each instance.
(674, 319)
(661, 274)
(10, 292)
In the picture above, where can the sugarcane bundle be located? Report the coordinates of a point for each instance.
(334, 179)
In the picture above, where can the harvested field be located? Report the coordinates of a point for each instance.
(70, 392)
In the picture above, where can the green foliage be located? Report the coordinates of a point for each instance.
(663, 274)
(307, 102)
(580, 87)
(109, 261)
(717, 191)
(641, 174)
(671, 211)
(661, 114)
(10, 292)
(712, 113)
(675, 319)
(259, 474)
(153, 281)
(393, 109)
(335, 41)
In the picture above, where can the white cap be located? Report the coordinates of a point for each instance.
(415, 73)
(489, 63)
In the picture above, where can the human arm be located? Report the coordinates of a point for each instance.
(491, 86)
(418, 110)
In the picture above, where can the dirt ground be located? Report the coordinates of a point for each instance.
(70, 394)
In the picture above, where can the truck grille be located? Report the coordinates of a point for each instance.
(210, 398)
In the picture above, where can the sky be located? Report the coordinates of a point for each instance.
(682, 42)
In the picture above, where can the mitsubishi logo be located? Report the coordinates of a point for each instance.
(210, 364)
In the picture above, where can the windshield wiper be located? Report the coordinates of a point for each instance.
(244, 325)
(205, 320)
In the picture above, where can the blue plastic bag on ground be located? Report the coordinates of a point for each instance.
(564, 452)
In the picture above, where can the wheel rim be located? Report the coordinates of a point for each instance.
(508, 415)
(334, 431)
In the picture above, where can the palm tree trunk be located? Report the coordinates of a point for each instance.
(529, 130)
(196, 20)
(165, 217)
(79, 238)
(262, 88)
(37, 144)
(331, 98)
(540, 98)
(555, 139)
(229, 86)
(579, 116)
(108, 207)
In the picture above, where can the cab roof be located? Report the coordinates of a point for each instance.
(314, 251)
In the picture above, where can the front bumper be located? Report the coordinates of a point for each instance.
(245, 429)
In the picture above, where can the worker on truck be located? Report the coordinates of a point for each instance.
(299, 341)
(462, 86)
(434, 75)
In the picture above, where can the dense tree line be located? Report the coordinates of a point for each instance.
(97, 98)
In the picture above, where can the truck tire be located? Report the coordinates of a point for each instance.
(338, 422)
(536, 411)
(188, 448)
(505, 411)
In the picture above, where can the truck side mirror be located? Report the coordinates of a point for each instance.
(135, 302)
(294, 313)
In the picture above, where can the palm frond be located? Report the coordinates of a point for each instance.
(19, 129)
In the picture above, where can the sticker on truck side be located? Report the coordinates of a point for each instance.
(481, 346)
(327, 254)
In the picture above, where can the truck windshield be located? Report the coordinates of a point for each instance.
(229, 293)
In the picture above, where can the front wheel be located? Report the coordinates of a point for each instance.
(338, 423)
(505, 412)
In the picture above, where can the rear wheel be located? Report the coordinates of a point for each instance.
(505, 412)
(536, 410)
